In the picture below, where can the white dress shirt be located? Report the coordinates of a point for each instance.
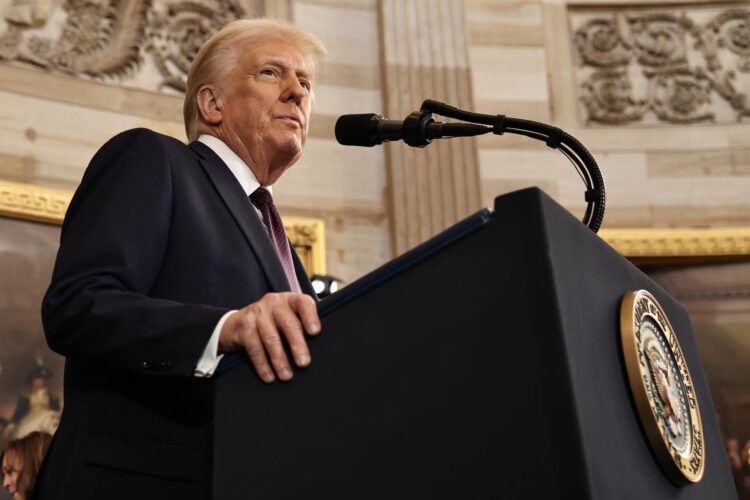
(210, 359)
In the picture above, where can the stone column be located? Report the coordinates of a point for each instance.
(424, 55)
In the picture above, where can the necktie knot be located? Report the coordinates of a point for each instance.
(261, 198)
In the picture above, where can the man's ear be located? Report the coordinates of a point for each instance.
(210, 105)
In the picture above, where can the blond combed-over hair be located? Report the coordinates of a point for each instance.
(218, 55)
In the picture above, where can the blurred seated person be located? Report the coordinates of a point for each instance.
(4, 422)
(735, 461)
(21, 461)
(36, 410)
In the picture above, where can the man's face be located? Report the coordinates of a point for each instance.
(266, 107)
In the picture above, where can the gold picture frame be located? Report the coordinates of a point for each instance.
(644, 247)
(47, 205)
(657, 247)
(35, 203)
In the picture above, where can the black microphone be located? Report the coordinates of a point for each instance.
(418, 129)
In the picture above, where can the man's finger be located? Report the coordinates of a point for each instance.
(287, 321)
(305, 307)
(274, 347)
(257, 354)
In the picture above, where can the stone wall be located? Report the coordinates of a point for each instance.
(659, 91)
(59, 103)
(655, 91)
(344, 186)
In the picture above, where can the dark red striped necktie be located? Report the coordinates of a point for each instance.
(263, 201)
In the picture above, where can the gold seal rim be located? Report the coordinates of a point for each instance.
(681, 470)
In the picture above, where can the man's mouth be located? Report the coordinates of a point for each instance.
(291, 118)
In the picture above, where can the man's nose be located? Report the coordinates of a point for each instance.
(294, 91)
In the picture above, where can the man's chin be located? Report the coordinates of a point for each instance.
(290, 146)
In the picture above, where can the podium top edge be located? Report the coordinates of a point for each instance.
(405, 261)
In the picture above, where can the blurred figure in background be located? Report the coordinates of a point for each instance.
(36, 410)
(21, 461)
(744, 488)
(3, 425)
(735, 462)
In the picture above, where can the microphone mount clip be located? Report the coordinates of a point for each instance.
(415, 128)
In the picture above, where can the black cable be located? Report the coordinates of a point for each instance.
(555, 138)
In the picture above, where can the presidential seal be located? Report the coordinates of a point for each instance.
(662, 388)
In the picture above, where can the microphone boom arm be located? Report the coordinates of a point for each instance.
(554, 137)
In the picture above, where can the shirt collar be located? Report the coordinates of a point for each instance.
(239, 168)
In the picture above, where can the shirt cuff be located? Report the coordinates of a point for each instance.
(211, 357)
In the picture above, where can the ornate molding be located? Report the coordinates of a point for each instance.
(308, 237)
(658, 246)
(740, 292)
(148, 44)
(29, 202)
(39, 204)
(177, 30)
(668, 65)
(24, 201)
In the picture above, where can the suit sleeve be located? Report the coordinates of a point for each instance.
(112, 245)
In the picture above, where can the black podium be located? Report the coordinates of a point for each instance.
(485, 363)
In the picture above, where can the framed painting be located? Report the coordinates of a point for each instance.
(30, 373)
(708, 272)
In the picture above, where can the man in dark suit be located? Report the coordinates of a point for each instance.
(165, 265)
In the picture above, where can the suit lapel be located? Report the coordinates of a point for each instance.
(244, 214)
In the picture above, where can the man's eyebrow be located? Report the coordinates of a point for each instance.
(284, 63)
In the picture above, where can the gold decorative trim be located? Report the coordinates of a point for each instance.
(308, 237)
(658, 246)
(40, 204)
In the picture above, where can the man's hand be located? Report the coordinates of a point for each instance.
(260, 327)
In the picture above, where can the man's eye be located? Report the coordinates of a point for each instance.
(268, 72)
(305, 84)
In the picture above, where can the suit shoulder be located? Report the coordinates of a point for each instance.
(137, 149)
(133, 164)
(145, 137)
(140, 153)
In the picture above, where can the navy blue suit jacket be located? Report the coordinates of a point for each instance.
(158, 243)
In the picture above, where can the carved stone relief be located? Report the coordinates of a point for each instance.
(176, 31)
(147, 44)
(668, 65)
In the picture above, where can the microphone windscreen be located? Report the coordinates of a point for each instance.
(358, 130)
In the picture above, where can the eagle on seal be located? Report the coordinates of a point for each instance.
(666, 388)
